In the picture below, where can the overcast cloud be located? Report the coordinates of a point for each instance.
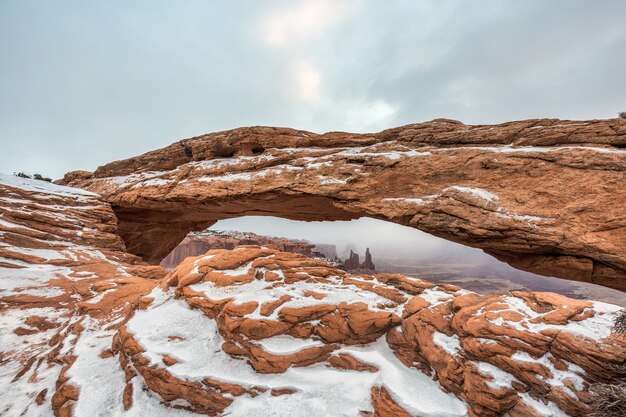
(83, 83)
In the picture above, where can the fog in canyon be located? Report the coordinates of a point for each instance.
(397, 248)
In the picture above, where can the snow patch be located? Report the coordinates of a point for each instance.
(451, 344)
(500, 379)
(285, 344)
(47, 188)
(477, 192)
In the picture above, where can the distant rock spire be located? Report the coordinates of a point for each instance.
(368, 264)
(352, 262)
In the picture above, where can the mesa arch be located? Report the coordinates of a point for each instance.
(546, 196)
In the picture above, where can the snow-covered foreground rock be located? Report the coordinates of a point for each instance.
(88, 330)
(256, 331)
(59, 257)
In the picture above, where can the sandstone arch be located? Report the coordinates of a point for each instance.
(546, 196)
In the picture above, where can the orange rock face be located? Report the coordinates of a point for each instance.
(62, 265)
(87, 327)
(274, 313)
(545, 196)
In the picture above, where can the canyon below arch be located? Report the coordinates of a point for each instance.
(91, 324)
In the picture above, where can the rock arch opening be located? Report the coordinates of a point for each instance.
(153, 233)
(393, 249)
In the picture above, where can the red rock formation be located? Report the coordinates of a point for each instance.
(352, 264)
(279, 310)
(87, 327)
(64, 273)
(188, 247)
(368, 263)
(545, 195)
(196, 244)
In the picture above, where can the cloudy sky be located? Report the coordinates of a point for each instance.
(86, 82)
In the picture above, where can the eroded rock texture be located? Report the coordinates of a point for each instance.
(546, 196)
(64, 277)
(89, 330)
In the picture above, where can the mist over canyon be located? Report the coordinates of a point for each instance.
(404, 250)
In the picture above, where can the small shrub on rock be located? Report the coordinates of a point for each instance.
(33, 177)
(622, 114)
(41, 178)
(609, 400)
(619, 324)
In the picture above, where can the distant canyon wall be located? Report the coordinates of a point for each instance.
(198, 243)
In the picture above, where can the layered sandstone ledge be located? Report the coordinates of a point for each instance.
(545, 196)
(63, 269)
(198, 243)
(255, 331)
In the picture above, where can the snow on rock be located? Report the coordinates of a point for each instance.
(256, 331)
(279, 334)
(89, 330)
(557, 378)
(450, 344)
(435, 296)
(500, 378)
(58, 255)
(477, 192)
(470, 184)
(595, 323)
(42, 189)
(529, 149)
(197, 343)
(283, 344)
